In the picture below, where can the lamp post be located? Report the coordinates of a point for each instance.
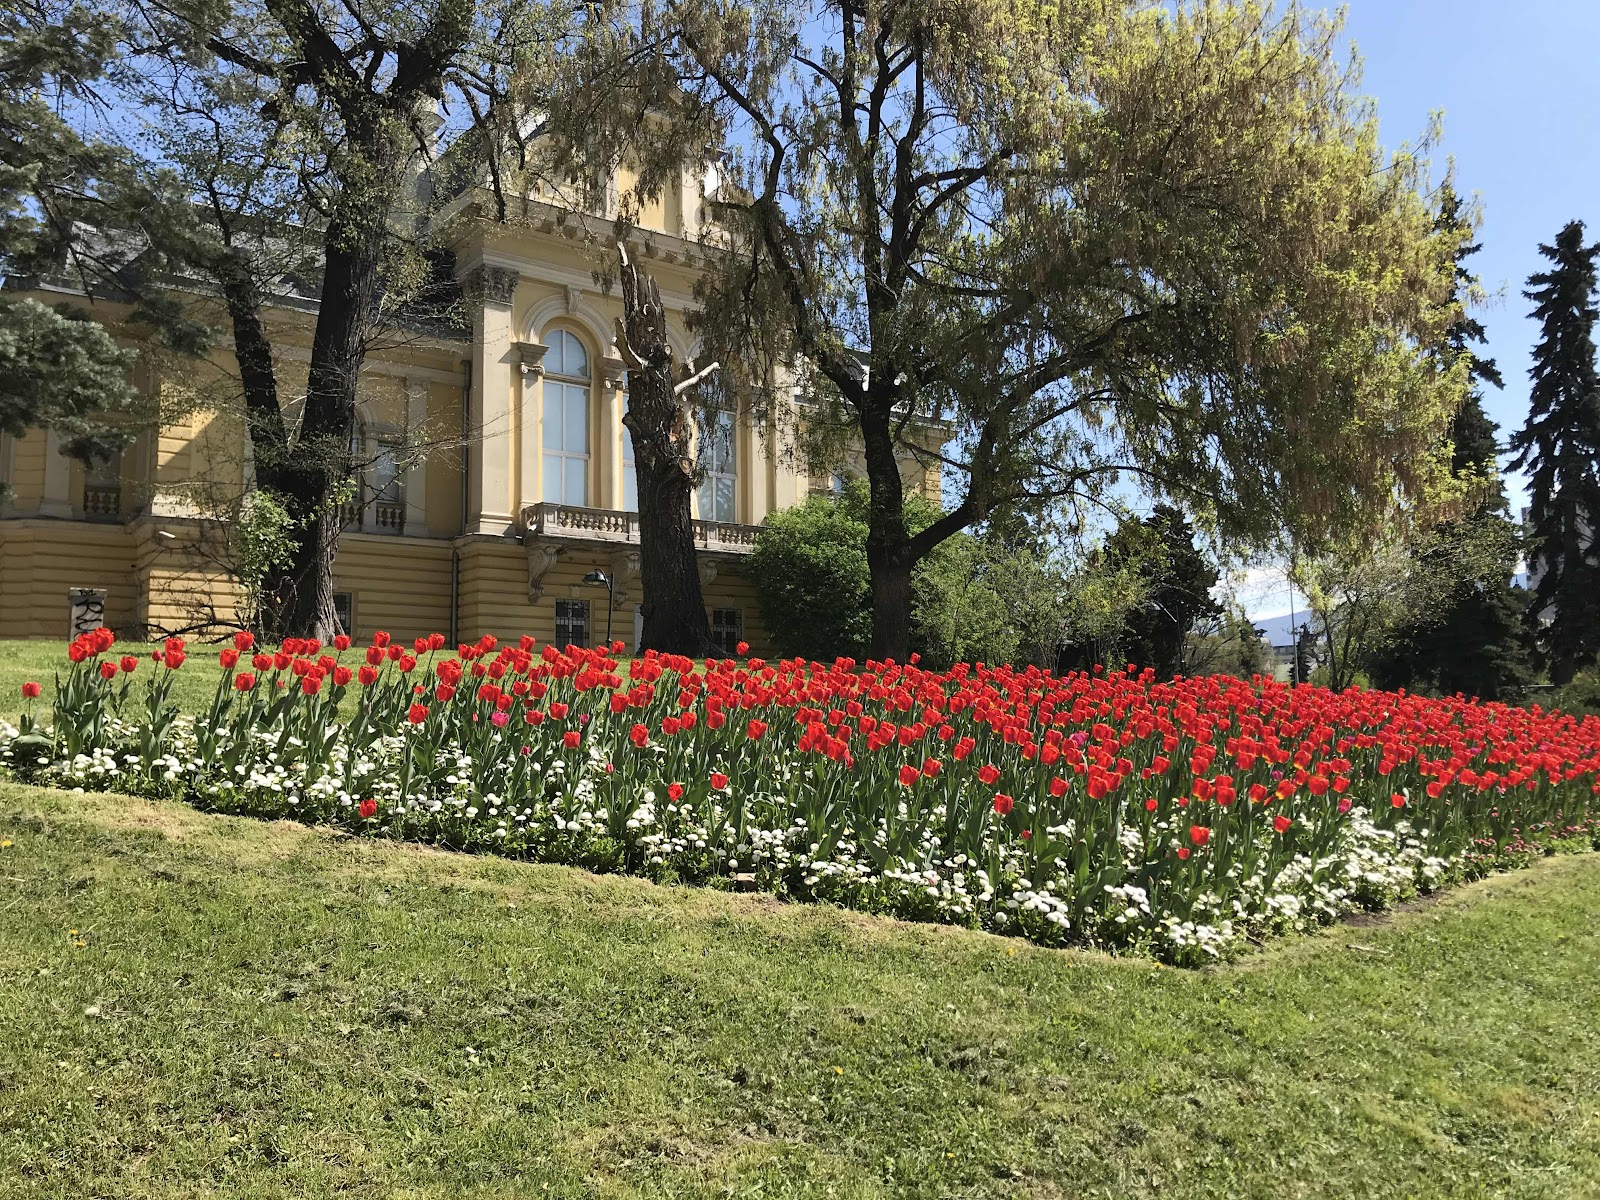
(601, 579)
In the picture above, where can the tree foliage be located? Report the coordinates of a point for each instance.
(977, 599)
(1559, 447)
(1098, 239)
(1468, 636)
(59, 368)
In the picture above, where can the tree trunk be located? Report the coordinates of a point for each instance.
(674, 608)
(307, 480)
(889, 556)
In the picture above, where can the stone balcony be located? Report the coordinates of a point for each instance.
(548, 530)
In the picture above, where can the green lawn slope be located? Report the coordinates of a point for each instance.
(200, 1006)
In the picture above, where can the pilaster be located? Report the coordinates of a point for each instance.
(490, 449)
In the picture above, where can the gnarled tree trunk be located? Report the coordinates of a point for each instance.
(890, 555)
(674, 607)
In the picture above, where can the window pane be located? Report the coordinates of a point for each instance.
(724, 441)
(570, 356)
(577, 419)
(552, 416)
(577, 478)
(552, 479)
(724, 496)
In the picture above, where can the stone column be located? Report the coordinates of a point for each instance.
(489, 427)
(56, 498)
(529, 374)
(608, 461)
(417, 476)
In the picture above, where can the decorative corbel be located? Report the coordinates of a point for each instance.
(708, 570)
(541, 557)
(531, 356)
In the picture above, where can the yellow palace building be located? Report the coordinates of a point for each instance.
(498, 472)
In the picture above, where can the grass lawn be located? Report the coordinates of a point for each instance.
(40, 661)
(194, 1005)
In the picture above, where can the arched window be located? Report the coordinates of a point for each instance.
(566, 420)
(715, 452)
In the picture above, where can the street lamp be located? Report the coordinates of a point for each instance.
(601, 579)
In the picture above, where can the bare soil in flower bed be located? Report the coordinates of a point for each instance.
(201, 1005)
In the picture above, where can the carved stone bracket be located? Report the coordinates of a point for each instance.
(572, 297)
(624, 570)
(541, 557)
(491, 285)
(708, 570)
(531, 356)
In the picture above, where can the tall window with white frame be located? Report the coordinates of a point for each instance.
(572, 623)
(715, 432)
(566, 420)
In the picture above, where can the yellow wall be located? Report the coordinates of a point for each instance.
(40, 560)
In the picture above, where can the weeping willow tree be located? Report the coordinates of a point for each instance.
(1090, 243)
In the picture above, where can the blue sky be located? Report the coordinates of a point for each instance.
(1518, 82)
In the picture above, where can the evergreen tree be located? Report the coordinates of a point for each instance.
(58, 368)
(1179, 578)
(1305, 655)
(1559, 447)
(1472, 639)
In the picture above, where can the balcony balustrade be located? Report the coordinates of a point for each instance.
(102, 502)
(571, 523)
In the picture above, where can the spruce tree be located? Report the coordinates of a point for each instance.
(1472, 639)
(1559, 447)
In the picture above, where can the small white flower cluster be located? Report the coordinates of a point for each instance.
(1120, 895)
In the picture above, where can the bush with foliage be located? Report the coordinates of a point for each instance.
(974, 599)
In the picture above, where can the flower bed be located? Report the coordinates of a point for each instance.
(1094, 809)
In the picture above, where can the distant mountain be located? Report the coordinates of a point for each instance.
(1279, 629)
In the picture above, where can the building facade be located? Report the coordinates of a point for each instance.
(498, 471)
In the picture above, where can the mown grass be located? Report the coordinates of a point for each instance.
(197, 1005)
(41, 661)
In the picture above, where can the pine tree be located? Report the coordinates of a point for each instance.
(1559, 447)
(1472, 639)
(1178, 577)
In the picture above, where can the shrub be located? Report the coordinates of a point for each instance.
(973, 599)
